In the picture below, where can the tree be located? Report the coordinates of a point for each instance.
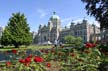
(73, 41)
(69, 39)
(98, 9)
(17, 32)
(78, 41)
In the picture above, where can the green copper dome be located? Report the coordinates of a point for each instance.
(54, 16)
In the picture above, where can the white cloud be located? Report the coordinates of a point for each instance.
(42, 13)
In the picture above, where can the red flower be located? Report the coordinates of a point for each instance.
(8, 63)
(88, 45)
(48, 65)
(22, 60)
(93, 45)
(14, 51)
(30, 56)
(38, 59)
(27, 60)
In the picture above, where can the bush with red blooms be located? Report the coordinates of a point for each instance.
(14, 51)
(22, 60)
(8, 63)
(90, 45)
(38, 59)
(48, 65)
(27, 60)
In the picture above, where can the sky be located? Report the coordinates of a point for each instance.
(39, 11)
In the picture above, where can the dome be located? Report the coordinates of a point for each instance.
(54, 16)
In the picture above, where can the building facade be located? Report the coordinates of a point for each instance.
(53, 30)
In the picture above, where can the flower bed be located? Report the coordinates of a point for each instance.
(87, 58)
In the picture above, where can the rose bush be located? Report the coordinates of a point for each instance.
(87, 58)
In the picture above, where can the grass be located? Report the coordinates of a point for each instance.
(33, 47)
(37, 47)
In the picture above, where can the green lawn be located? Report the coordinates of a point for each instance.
(33, 47)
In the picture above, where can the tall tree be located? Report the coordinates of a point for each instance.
(17, 32)
(98, 9)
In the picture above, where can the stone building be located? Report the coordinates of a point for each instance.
(53, 31)
(85, 30)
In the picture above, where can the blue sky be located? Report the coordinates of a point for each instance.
(39, 11)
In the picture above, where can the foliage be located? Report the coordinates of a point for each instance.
(71, 40)
(17, 32)
(79, 41)
(98, 9)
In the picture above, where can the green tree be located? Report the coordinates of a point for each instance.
(78, 41)
(69, 39)
(17, 32)
(73, 41)
(98, 9)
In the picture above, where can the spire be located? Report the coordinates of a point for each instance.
(54, 12)
(84, 20)
(72, 23)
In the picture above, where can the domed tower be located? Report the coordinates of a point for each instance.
(54, 25)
